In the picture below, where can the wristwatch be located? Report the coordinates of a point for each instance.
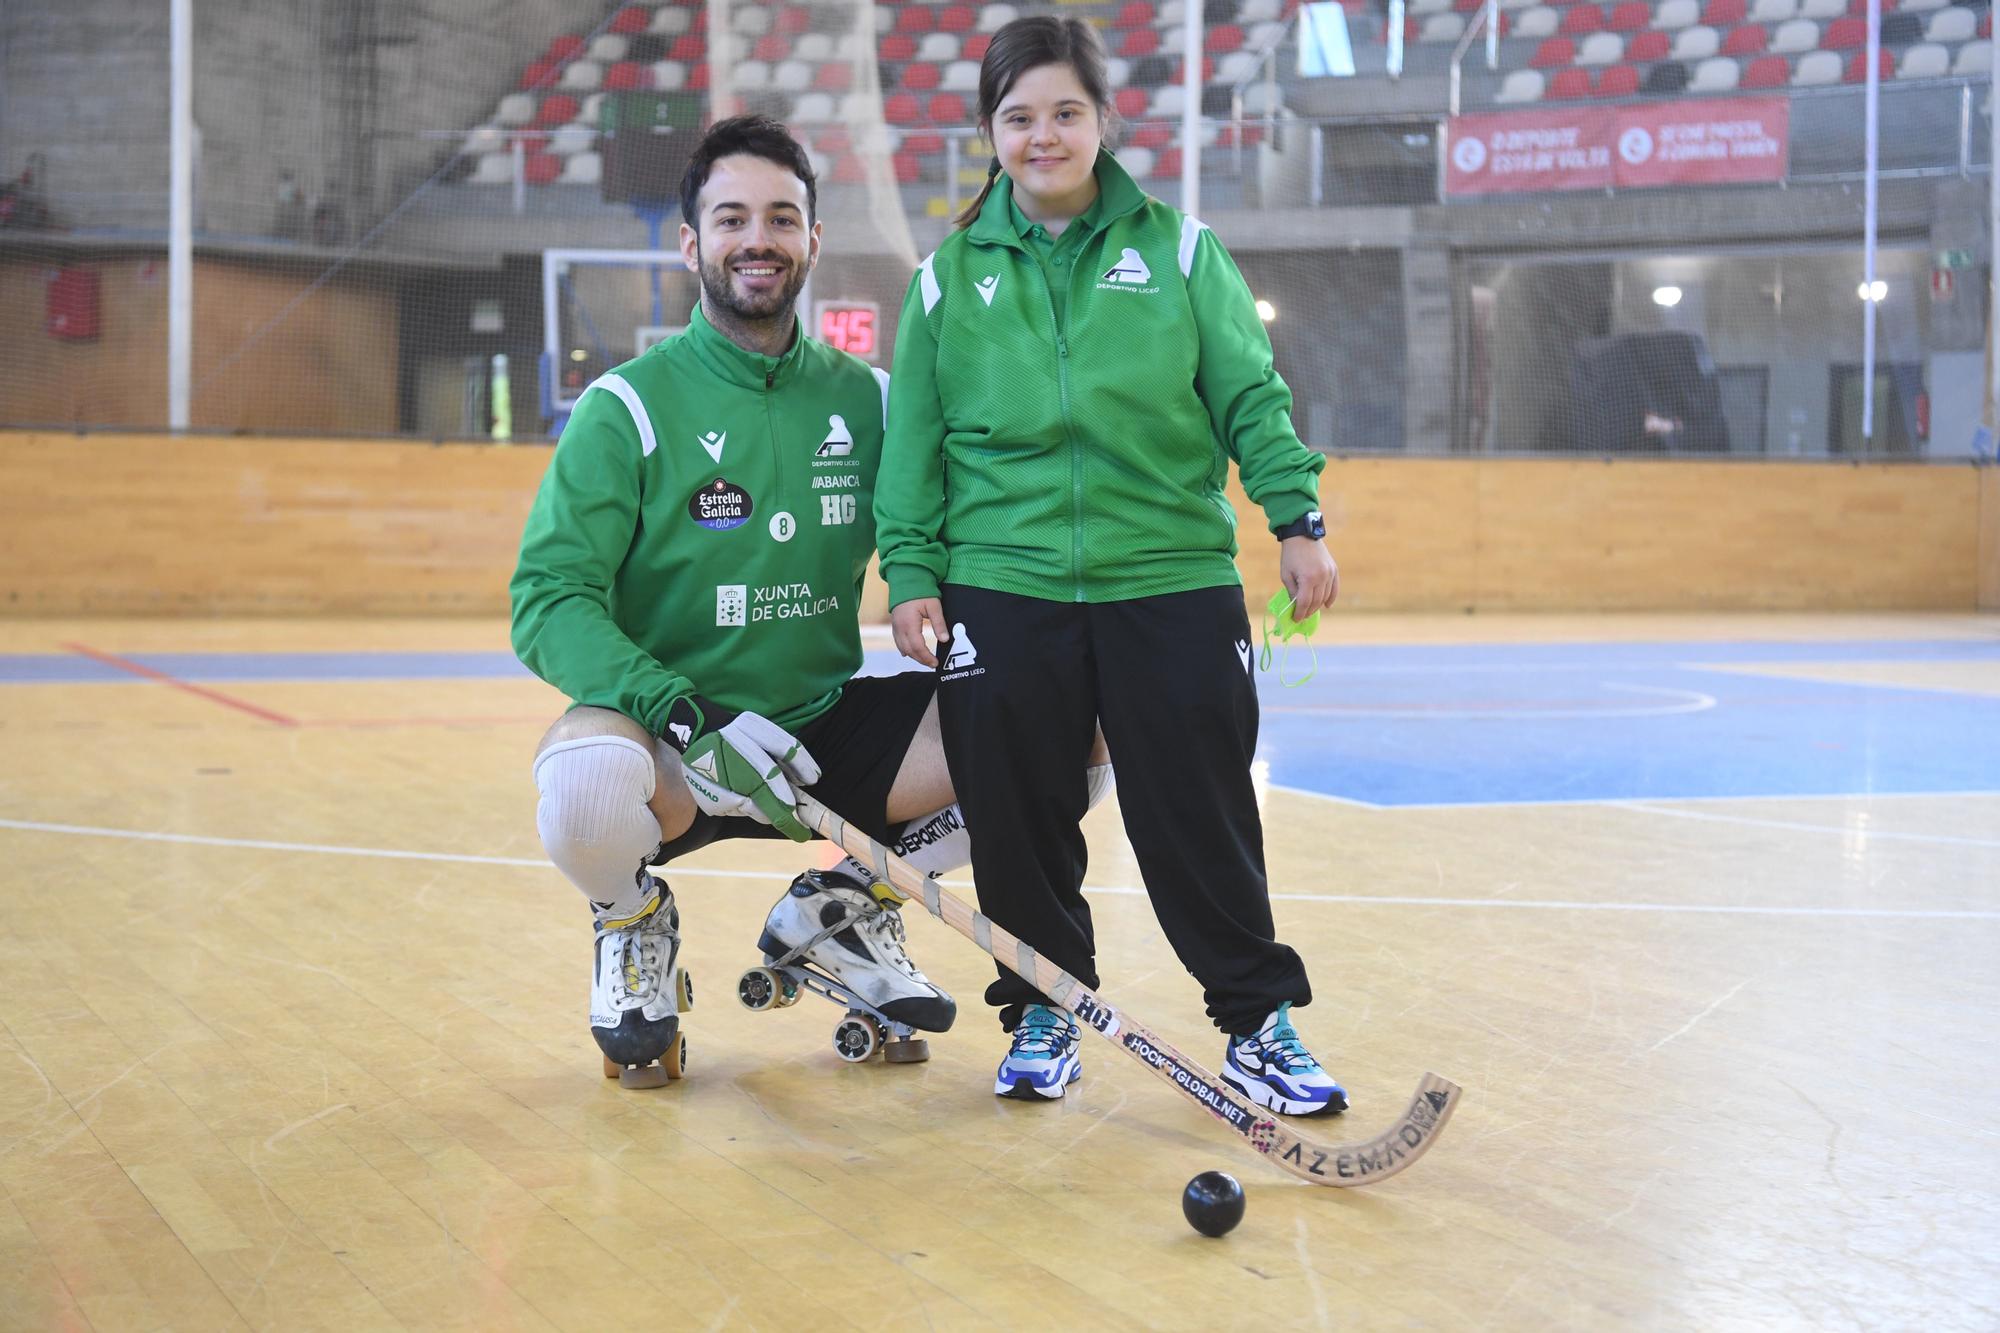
(1311, 524)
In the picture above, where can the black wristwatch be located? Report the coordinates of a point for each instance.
(1311, 524)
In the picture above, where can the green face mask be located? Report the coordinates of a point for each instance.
(1278, 620)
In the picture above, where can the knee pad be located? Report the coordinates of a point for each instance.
(935, 843)
(594, 820)
(1098, 779)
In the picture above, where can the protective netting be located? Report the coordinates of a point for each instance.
(1638, 230)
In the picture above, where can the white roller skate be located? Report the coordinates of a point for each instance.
(831, 936)
(638, 993)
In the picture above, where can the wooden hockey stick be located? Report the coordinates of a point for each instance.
(1341, 1164)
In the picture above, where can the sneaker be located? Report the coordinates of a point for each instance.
(637, 988)
(830, 920)
(1042, 1062)
(1273, 1068)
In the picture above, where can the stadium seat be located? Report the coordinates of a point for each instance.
(1816, 67)
(1973, 59)
(1152, 134)
(537, 75)
(1618, 81)
(920, 78)
(885, 20)
(793, 20)
(608, 48)
(1167, 102)
(1722, 13)
(915, 18)
(1553, 53)
(858, 109)
(1261, 98)
(1600, 48)
(833, 140)
(1909, 6)
(790, 76)
(1235, 67)
(976, 44)
(671, 21)
(564, 48)
(1673, 15)
(1629, 16)
(938, 48)
(1857, 66)
(833, 77)
(669, 76)
(689, 49)
(1717, 74)
(1262, 11)
(627, 76)
(751, 76)
(1666, 79)
(1902, 29)
(631, 19)
(1927, 60)
(1167, 166)
(1263, 36)
(923, 145)
(1769, 72)
(1130, 102)
(1138, 162)
(557, 109)
(1132, 14)
(1826, 9)
(1794, 36)
(961, 76)
(814, 47)
(906, 167)
(697, 78)
(572, 139)
(592, 109)
(483, 139)
(1568, 85)
(1773, 11)
(1950, 25)
(1538, 22)
(581, 76)
(1222, 39)
(1421, 8)
(1648, 46)
(957, 18)
(1986, 24)
(1171, 14)
(515, 109)
(1696, 43)
(493, 169)
(947, 109)
(1748, 40)
(541, 169)
(1521, 85)
(901, 109)
(772, 48)
(1172, 40)
(813, 109)
(1442, 28)
(1581, 20)
(1843, 34)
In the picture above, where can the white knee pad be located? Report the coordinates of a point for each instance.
(594, 820)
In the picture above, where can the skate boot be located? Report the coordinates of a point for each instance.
(1043, 1060)
(831, 936)
(1273, 1068)
(638, 993)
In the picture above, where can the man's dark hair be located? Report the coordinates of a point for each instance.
(753, 136)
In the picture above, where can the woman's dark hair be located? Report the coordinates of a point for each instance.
(752, 136)
(1030, 43)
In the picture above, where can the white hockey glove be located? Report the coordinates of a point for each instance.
(741, 764)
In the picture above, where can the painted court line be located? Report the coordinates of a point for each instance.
(1113, 890)
(213, 696)
(1845, 831)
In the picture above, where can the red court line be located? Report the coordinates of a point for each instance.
(213, 696)
(362, 722)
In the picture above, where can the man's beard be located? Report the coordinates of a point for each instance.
(719, 286)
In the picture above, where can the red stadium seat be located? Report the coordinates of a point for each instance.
(564, 49)
(836, 76)
(541, 168)
(1581, 21)
(1568, 85)
(1130, 102)
(1857, 67)
(1722, 13)
(1647, 46)
(832, 140)
(1207, 70)
(923, 145)
(1168, 164)
(1139, 42)
(1747, 40)
(1986, 24)
(700, 24)
(1222, 39)
(1618, 81)
(848, 170)
(1154, 134)
(539, 74)
(1844, 34)
(628, 76)
(771, 47)
(697, 81)
(1630, 16)
(897, 46)
(557, 109)
(631, 20)
(1468, 6)
(974, 46)
(1767, 72)
(906, 167)
(1135, 14)
(920, 78)
(688, 49)
(957, 18)
(793, 20)
(946, 109)
(915, 18)
(1553, 51)
(901, 109)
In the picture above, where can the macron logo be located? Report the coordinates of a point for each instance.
(713, 442)
(1130, 269)
(1243, 651)
(988, 286)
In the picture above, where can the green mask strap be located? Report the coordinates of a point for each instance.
(1279, 610)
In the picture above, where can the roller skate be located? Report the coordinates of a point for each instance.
(831, 936)
(638, 993)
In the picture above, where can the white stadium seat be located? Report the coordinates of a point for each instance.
(960, 76)
(752, 76)
(671, 21)
(1817, 67)
(572, 139)
(1926, 60)
(1172, 14)
(1773, 11)
(669, 75)
(1676, 14)
(750, 20)
(515, 109)
(813, 109)
(1696, 43)
(484, 139)
(583, 169)
(992, 18)
(1138, 162)
(1538, 22)
(493, 169)
(938, 48)
(1442, 28)
(1601, 48)
(1908, 5)
(1172, 41)
(1419, 8)
(1260, 11)
(1822, 9)
(608, 48)
(1263, 36)
(593, 109)
(1168, 100)
(1233, 68)
(581, 76)
(1974, 58)
(1117, 71)
(1795, 36)
(1261, 97)
(1717, 74)
(1520, 85)
(1951, 25)
(814, 47)
(885, 20)
(792, 76)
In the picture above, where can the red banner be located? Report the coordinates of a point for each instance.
(1717, 141)
(1726, 141)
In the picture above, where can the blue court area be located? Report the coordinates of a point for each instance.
(1465, 723)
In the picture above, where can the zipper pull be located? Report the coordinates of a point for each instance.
(1062, 345)
(769, 377)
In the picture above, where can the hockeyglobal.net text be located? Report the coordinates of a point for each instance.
(1203, 1091)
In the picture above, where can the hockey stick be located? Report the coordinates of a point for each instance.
(1341, 1164)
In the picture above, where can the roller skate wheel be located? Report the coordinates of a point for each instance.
(758, 989)
(909, 1051)
(684, 993)
(856, 1038)
(674, 1063)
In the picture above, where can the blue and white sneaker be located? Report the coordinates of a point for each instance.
(1043, 1061)
(1273, 1068)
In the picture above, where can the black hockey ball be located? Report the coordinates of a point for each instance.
(1213, 1203)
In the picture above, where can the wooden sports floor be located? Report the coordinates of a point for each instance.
(294, 1012)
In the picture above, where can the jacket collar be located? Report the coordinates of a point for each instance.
(751, 370)
(1117, 195)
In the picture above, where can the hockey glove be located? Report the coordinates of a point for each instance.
(741, 765)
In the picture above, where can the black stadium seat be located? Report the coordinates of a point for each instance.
(1669, 76)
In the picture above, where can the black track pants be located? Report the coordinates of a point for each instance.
(1168, 677)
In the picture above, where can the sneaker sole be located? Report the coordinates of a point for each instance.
(1021, 1090)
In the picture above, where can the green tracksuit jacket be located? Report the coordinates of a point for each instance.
(1082, 459)
(703, 529)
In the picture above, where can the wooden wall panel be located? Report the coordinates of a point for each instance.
(139, 523)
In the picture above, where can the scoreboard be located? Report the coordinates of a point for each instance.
(852, 326)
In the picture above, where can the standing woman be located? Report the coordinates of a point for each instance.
(1075, 370)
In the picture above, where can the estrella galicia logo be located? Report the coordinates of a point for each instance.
(720, 505)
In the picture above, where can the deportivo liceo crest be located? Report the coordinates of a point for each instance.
(1130, 269)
